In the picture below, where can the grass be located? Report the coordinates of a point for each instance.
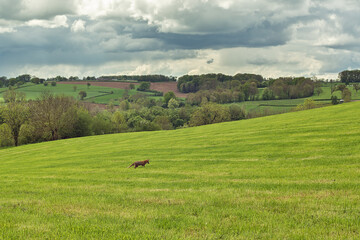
(286, 105)
(95, 94)
(288, 176)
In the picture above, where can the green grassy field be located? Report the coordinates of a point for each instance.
(288, 176)
(286, 105)
(95, 94)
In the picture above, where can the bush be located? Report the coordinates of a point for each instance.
(83, 123)
(53, 84)
(308, 104)
(27, 134)
(82, 95)
(210, 113)
(144, 86)
(334, 100)
(101, 123)
(236, 112)
(6, 138)
(163, 122)
(119, 121)
(173, 103)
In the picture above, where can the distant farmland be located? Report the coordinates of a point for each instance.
(158, 86)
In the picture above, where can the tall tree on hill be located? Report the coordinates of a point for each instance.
(15, 114)
(51, 114)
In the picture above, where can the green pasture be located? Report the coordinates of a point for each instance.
(286, 105)
(288, 176)
(95, 94)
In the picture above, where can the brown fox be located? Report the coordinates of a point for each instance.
(140, 163)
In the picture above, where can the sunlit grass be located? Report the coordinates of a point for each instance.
(289, 176)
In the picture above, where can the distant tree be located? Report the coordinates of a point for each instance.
(3, 82)
(144, 86)
(356, 87)
(12, 81)
(35, 80)
(168, 96)
(349, 76)
(124, 105)
(346, 95)
(82, 94)
(53, 84)
(268, 94)
(173, 103)
(340, 87)
(334, 100)
(23, 78)
(126, 94)
(250, 89)
(318, 90)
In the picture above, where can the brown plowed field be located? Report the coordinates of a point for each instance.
(158, 86)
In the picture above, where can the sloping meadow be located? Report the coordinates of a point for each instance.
(293, 175)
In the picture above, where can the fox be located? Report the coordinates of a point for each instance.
(140, 163)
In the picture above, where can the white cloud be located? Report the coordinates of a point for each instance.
(6, 30)
(78, 26)
(57, 21)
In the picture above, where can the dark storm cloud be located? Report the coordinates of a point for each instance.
(91, 32)
(262, 35)
(22, 10)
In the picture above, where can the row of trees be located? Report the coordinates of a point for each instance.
(140, 78)
(53, 117)
(289, 88)
(349, 76)
(194, 83)
(236, 91)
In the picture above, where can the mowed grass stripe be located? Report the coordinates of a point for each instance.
(291, 176)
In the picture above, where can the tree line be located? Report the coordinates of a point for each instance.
(349, 76)
(53, 117)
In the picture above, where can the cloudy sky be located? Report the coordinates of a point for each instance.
(176, 37)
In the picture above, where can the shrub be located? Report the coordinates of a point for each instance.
(144, 86)
(334, 100)
(210, 113)
(308, 104)
(6, 137)
(27, 134)
(236, 112)
(82, 95)
(173, 103)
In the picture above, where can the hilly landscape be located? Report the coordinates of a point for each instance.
(289, 176)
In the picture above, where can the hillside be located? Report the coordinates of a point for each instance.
(294, 175)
